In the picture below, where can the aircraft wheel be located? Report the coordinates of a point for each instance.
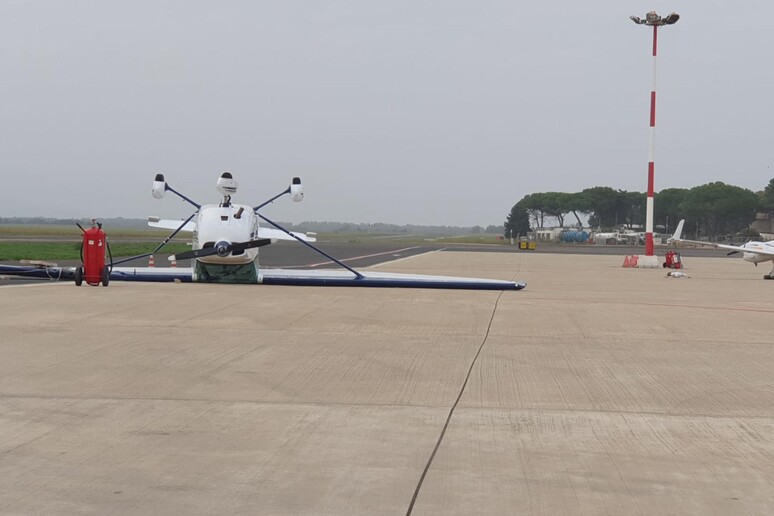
(78, 276)
(105, 276)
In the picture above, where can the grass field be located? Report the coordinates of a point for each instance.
(54, 242)
(66, 231)
(52, 251)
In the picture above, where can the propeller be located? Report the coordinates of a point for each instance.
(221, 248)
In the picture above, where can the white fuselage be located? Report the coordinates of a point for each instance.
(757, 258)
(216, 223)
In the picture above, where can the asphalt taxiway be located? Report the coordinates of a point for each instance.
(597, 389)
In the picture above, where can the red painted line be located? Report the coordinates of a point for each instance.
(653, 109)
(655, 39)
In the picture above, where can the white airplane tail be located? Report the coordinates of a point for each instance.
(678, 232)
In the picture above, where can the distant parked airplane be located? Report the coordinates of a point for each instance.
(753, 252)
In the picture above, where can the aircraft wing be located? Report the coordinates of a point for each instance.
(329, 278)
(162, 274)
(765, 249)
(276, 234)
(31, 271)
(156, 222)
(273, 234)
(340, 278)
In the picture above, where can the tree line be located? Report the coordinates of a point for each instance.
(710, 210)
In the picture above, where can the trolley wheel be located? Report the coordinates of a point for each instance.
(78, 276)
(105, 276)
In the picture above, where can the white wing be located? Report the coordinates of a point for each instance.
(276, 234)
(329, 278)
(338, 278)
(762, 248)
(156, 222)
(273, 234)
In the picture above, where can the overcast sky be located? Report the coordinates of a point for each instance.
(406, 112)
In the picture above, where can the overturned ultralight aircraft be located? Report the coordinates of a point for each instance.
(226, 238)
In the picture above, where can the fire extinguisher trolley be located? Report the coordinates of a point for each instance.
(673, 260)
(93, 248)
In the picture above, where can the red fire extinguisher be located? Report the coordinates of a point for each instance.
(93, 249)
(673, 260)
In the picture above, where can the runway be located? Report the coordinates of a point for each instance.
(597, 389)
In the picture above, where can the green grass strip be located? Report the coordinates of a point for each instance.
(12, 251)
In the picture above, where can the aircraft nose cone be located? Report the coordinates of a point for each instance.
(222, 249)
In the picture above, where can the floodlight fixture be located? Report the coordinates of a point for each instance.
(653, 19)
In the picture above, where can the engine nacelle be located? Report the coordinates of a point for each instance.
(159, 186)
(296, 190)
(227, 185)
(755, 257)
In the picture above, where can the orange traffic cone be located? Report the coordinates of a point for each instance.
(173, 262)
(151, 261)
(634, 260)
(626, 262)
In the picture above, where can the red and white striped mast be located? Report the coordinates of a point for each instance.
(653, 20)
